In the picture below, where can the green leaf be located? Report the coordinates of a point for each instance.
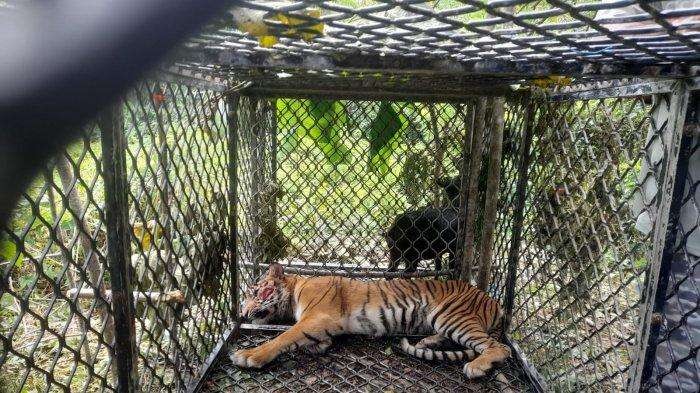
(26, 281)
(289, 124)
(8, 252)
(383, 128)
(383, 136)
(319, 120)
(327, 119)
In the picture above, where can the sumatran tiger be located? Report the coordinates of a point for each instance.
(324, 307)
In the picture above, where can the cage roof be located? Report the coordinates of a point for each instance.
(451, 46)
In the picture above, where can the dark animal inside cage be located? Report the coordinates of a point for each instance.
(426, 233)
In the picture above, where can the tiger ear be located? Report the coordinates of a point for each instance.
(275, 271)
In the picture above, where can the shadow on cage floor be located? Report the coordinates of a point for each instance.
(356, 364)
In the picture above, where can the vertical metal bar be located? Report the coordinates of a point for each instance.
(676, 152)
(439, 153)
(257, 180)
(116, 208)
(272, 113)
(232, 102)
(473, 190)
(519, 210)
(492, 188)
(468, 121)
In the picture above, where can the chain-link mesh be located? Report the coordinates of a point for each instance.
(53, 249)
(511, 40)
(55, 321)
(176, 167)
(515, 123)
(321, 184)
(676, 363)
(356, 364)
(589, 220)
(321, 181)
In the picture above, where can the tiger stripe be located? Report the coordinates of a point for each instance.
(325, 307)
(431, 354)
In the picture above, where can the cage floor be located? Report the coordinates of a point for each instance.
(356, 364)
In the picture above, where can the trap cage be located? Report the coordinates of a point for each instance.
(575, 204)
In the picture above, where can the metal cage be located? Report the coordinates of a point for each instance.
(554, 146)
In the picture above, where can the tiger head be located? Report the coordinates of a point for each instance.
(269, 299)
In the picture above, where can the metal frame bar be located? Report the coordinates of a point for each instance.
(232, 102)
(234, 59)
(205, 370)
(533, 375)
(111, 124)
(677, 151)
(438, 97)
(191, 81)
(520, 198)
(613, 89)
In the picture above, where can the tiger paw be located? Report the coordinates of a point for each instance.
(249, 358)
(476, 368)
(319, 348)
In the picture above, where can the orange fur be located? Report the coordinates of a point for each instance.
(328, 306)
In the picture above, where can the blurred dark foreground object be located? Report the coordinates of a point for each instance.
(63, 61)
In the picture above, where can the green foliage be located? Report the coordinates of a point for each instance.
(326, 121)
(8, 251)
(384, 137)
(322, 122)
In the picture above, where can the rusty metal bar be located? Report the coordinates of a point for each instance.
(111, 124)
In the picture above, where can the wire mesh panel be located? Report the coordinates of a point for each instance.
(357, 364)
(509, 40)
(676, 362)
(321, 181)
(519, 111)
(56, 323)
(589, 220)
(176, 167)
(52, 252)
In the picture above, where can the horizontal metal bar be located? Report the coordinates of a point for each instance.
(377, 94)
(427, 66)
(282, 328)
(192, 81)
(360, 273)
(609, 89)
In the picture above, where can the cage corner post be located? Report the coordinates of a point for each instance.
(116, 208)
(475, 151)
(525, 156)
(677, 146)
(232, 102)
(492, 192)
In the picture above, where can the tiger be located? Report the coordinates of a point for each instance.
(328, 306)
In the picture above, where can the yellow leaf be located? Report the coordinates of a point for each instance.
(301, 27)
(146, 236)
(267, 41)
(552, 80)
